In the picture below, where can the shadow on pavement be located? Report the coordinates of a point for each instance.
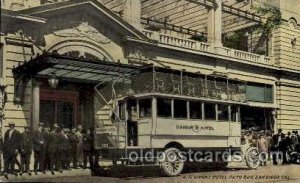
(135, 172)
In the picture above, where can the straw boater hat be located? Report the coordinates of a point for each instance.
(79, 127)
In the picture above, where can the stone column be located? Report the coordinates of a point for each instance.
(132, 12)
(214, 25)
(35, 112)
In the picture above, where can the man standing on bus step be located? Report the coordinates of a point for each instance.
(39, 147)
(11, 147)
(26, 150)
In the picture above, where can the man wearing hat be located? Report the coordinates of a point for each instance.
(39, 146)
(11, 148)
(26, 149)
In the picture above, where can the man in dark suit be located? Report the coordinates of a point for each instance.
(275, 146)
(39, 146)
(73, 139)
(26, 149)
(11, 147)
(52, 147)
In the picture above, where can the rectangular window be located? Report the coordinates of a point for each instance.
(259, 92)
(195, 110)
(145, 108)
(210, 111)
(180, 109)
(164, 107)
(223, 112)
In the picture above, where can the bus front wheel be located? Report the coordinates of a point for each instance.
(252, 158)
(171, 162)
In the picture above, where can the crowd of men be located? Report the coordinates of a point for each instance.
(272, 146)
(53, 148)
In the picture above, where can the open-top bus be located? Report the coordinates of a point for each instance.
(167, 118)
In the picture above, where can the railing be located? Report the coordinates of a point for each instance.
(204, 47)
(172, 40)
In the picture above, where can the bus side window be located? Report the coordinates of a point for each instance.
(180, 109)
(234, 113)
(195, 110)
(164, 107)
(223, 112)
(145, 108)
(210, 111)
(122, 110)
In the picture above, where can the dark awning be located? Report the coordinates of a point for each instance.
(74, 69)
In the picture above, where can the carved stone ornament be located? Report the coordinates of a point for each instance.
(84, 30)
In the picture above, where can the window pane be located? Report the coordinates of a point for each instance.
(222, 112)
(122, 110)
(164, 107)
(180, 109)
(195, 110)
(255, 93)
(259, 92)
(234, 111)
(269, 94)
(145, 108)
(47, 112)
(132, 110)
(210, 111)
(65, 114)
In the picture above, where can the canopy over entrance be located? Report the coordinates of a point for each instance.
(73, 69)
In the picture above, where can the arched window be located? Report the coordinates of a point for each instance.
(293, 23)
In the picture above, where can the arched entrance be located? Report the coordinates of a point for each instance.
(71, 103)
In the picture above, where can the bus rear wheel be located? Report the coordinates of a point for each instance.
(172, 163)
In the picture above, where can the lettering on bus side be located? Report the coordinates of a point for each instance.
(194, 128)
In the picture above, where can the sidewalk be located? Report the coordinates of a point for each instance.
(27, 178)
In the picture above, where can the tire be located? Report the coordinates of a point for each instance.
(172, 164)
(252, 158)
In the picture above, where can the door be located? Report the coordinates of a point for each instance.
(59, 107)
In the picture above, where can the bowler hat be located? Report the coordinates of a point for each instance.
(11, 123)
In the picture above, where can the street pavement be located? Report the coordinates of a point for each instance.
(234, 173)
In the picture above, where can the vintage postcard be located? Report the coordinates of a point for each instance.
(150, 91)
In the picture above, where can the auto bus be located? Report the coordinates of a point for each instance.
(169, 118)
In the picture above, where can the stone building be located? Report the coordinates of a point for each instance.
(184, 35)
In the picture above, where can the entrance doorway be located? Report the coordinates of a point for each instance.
(59, 107)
